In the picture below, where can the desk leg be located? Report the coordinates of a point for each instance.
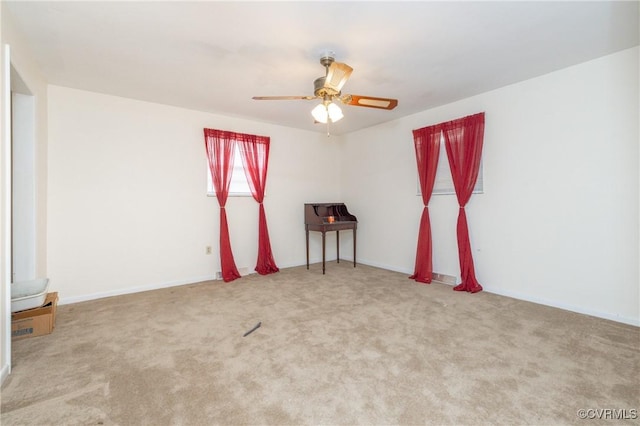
(338, 244)
(354, 247)
(307, 248)
(323, 234)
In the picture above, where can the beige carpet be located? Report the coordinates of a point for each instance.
(355, 346)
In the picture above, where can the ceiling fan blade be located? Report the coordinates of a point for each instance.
(337, 76)
(282, 98)
(369, 101)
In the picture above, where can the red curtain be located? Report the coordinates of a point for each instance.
(463, 140)
(427, 145)
(255, 157)
(220, 146)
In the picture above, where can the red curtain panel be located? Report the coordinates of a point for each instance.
(255, 158)
(427, 145)
(220, 146)
(463, 141)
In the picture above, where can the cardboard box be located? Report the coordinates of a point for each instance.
(37, 321)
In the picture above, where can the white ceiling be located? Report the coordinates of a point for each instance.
(214, 56)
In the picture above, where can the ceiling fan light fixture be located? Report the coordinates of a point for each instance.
(327, 112)
(335, 113)
(320, 113)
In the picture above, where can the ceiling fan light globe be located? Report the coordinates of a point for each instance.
(334, 111)
(320, 113)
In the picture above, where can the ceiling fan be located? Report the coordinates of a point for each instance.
(328, 89)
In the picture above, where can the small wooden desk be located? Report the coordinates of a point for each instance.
(327, 227)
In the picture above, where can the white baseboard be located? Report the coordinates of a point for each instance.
(563, 306)
(4, 373)
(100, 295)
(527, 298)
(488, 289)
(382, 266)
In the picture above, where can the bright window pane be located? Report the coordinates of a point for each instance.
(444, 182)
(239, 186)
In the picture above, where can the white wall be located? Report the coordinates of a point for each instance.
(127, 197)
(558, 222)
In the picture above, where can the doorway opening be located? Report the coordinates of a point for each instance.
(23, 179)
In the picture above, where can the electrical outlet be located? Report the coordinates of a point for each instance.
(208, 250)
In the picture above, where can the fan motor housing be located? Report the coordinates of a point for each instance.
(320, 90)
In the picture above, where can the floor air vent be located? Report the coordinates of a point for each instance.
(444, 279)
(245, 270)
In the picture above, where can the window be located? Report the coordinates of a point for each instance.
(444, 182)
(239, 186)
